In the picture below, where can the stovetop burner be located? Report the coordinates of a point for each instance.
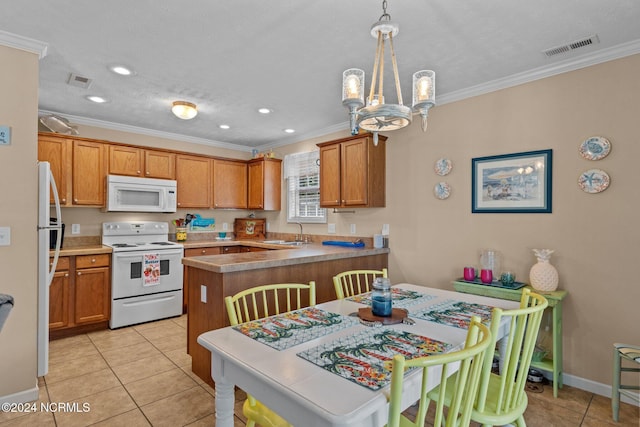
(163, 243)
(123, 245)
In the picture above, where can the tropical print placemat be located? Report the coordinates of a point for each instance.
(454, 313)
(295, 327)
(401, 298)
(360, 357)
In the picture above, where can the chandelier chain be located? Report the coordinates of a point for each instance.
(384, 15)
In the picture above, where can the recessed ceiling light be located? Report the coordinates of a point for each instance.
(289, 130)
(96, 99)
(264, 110)
(224, 126)
(123, 71)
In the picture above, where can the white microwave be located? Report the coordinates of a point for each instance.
(133, 194)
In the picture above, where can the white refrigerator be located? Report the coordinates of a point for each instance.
(46, 187)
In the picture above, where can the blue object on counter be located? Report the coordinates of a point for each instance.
(358, 244)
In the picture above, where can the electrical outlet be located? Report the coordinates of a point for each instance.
(75, 228)
(352, 228)
(225, 226)
(385, 229)
(268, 226)
(5, 236)
(331, 228)
(203, 294)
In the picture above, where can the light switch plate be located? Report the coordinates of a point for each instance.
(352, 228)
(385, 229)
(203, 294)
(5, 236)
(75, 228)
(225, 226)
(331, 228)
(5, 135)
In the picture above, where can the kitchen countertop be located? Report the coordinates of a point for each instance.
(283, 256)
(84, 250)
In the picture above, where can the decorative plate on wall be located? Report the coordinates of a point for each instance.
(594, 181)
(595, 148)
(443, 167)
(442, 190)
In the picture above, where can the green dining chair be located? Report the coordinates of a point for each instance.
(256, 303)
(354, 282)
(630, 353)
(463, 389)
(501, 397)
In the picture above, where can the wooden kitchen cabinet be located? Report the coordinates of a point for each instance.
(264, 180)
(59, 295)
(352, 172)
(193, 174)
(79, 168)
(229, 184)
(89, 168)
(57, 151)
(80, 294)
(132, 161)
(92, 289)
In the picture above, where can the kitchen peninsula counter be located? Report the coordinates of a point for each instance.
(211, 278)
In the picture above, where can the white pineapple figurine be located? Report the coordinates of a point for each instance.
(543, 275)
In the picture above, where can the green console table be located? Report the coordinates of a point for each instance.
(554, 364)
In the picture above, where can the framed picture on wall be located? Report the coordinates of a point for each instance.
(512, 183)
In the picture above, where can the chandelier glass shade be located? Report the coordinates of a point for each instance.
(376, 115)
(184, 110)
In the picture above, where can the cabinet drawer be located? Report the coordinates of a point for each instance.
(63, 263)
(89, 261)
(202, 251)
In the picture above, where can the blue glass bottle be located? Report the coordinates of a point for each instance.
(381, 297)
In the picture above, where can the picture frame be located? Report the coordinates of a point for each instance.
(512, 183)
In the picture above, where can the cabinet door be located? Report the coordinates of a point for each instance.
(255, 184)
(354, 170)
(193, 174)
(330, 176)
(125, 160)
(92, 295)
(264, 184)
(88, 171)
(229, 184)
(59, 300)
(159, 164)
(57, 151)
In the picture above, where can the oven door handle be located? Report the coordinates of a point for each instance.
(137, 254)
(149, 301)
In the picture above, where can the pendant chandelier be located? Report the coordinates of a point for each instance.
(377, 116)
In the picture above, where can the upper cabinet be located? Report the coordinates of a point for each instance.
(352, 172)
(132, 161)
(79, 168)
(193, 174)
(229, 184)
(264, 184)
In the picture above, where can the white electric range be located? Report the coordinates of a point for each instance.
(146, 272)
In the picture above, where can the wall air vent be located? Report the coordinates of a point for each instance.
(572, 46)
(79, 81)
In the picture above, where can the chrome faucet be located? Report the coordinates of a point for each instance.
(300, 237)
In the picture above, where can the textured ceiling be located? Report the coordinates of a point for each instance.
(232, 57)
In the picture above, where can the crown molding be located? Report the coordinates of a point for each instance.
(582, 61)
(24, 43)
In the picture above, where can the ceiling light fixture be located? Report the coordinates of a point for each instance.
(123, 71)
(264, 110)
(224, 126)
(96, 99)
(184, 110)
(377, 116)
(289, 130)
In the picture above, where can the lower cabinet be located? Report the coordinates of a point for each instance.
(80, 293)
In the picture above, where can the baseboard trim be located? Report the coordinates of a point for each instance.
(24, 396)
(592, 386)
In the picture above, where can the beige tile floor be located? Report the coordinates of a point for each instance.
(141, 376)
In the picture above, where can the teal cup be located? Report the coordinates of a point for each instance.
(507, 278)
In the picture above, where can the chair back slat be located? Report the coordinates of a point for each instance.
(469, 362)
(263, 301)
(354, 282)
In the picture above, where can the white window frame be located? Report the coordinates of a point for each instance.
(302, 174)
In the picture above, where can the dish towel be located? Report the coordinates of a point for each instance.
(151, 269)
(6, 304)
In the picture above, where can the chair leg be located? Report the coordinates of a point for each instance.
(615, 386)
(520, 421)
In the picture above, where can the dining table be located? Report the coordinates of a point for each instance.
(325, 367)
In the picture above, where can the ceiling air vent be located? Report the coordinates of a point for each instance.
(572, 46)
(79, 81)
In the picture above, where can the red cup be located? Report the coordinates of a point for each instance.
(486, 276)
(469, 274)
